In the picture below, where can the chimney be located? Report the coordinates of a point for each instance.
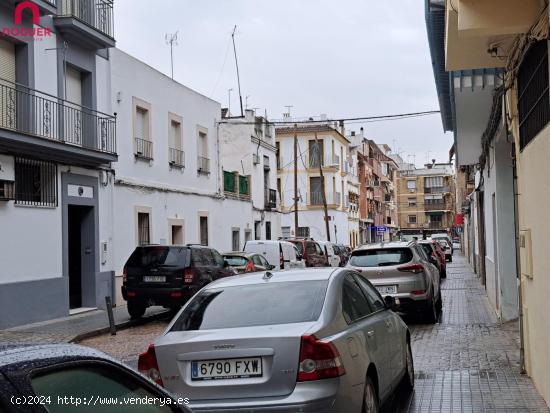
(362, 132)
(342, 128)
(352, 133)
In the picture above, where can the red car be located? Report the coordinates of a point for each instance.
(434, 250)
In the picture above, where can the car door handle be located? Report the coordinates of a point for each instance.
(370, 333)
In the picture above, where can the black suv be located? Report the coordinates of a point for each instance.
(169, 275)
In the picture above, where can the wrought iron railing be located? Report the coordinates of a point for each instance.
(39, 114)
(143, 149)
(270, 197)
(177, 157)
(437, 190)
(203, 165)
(95, 13)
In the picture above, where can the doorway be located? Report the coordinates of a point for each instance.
(81, 255)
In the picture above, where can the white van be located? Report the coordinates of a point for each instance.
(282, 254)
(332, 258)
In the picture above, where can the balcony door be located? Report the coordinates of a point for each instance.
(73, 113)
(8, 96)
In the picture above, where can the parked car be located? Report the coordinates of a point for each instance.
(68, 378)
(311, 251)
(169, 275)
(320, 340)
(282, 254)
(436, 254)
(444, 236)
(243, 262)
(403, 271)
(329, 249)
(447, 247)
(342, 253)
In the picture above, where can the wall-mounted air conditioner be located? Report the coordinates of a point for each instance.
(7, 178)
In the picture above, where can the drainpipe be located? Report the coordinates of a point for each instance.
(518, 272)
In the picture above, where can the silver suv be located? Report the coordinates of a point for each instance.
(403, 271)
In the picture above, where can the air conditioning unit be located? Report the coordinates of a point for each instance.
(255, 158)
(7, 178)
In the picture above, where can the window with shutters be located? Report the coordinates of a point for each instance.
(533, 97)
(433, 182)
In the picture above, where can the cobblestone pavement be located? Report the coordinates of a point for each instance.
(468, 362)
(67, 329)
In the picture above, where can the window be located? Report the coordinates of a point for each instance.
(278, 154)
(354, 303)
(144, 228)
(285, 232)
(303, 232)
(412, 219)
(156, 255)
(533, 98)
(203, 228)
(175, 141)
(143, 147)
(373, 296)
(411, 184)
(316, 191)
(177, 235)
(316, 154)
(247, 235)
(268, 230)
(433, 182)
(229, 181)
(236, 239)
(99, 380)
(35, 182)
(380, 257)
(257, 230)
(412, 202)
(259, 305)
(203, 161)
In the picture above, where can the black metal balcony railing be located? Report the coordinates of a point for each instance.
(270, 197)
(32, 112)
(203, 165)
(143, 149)
(95, 13)
(177, 157)
(316, 198)
(437, 190)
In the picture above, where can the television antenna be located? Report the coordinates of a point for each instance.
(172, 40)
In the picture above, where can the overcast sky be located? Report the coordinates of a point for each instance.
(346, 58)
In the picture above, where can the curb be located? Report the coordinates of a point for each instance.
(120, 326)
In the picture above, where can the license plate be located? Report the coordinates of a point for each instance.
(387, 289)
(154, 278)
(226, 369)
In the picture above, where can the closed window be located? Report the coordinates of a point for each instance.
(433, 182)
(268, 230)
(303, 232)
(35, 182)
(285, 232)
(373, 297)
(354, 303)
(236, 239)
(144, 228)
(203, 224)
(412, 219)
(411, 184)
(412, 202)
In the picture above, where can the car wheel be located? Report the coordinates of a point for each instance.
(409, 369)
(370, 398)
(431, 311)
(136, 309)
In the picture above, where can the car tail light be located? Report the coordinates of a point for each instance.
(125, 274)
(414, 268)
(418, 292)
(148, 366)
(189, 275)
(282, 261)
(318, 360)
(250, 267)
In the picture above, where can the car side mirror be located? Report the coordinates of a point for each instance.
(270, 267)
(225, 264)
(299, 257)
(390, 302)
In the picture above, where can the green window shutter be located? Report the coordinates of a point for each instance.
(228, 181)
(243, 185)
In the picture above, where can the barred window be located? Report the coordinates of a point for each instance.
(303, 232)
(35, 182)
(533, 98)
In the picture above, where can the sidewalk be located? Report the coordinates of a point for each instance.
(68, 329)
(469, 362)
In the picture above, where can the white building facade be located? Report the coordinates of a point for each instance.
(57, 143)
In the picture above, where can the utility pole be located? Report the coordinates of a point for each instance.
(237, 64)
(172, 40)
(296, 180)
(327, 226)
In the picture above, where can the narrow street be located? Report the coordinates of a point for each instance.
(468, 362)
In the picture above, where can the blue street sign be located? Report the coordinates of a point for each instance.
(458, 230)
(382, 229)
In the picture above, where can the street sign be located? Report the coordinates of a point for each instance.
(382, 230)
(458, 230)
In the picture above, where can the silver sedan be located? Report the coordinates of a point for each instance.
(319, 340)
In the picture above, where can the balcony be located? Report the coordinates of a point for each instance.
(176, 158)
(329, 161)
(437, 190)
(203, 165)
(143, 149)
(315, 198)
(439, 206)
(338, 198)
(270, 199)
(87, 22)
(46, 7)
(40, 125)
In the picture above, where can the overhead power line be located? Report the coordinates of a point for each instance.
(365, 119)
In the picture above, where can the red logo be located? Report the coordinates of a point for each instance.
(23, 33)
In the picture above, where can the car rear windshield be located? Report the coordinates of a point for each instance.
(381, 257)
(427, 249)
(253, 305)
(235, 261)
(300, 246)
(150, 256)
